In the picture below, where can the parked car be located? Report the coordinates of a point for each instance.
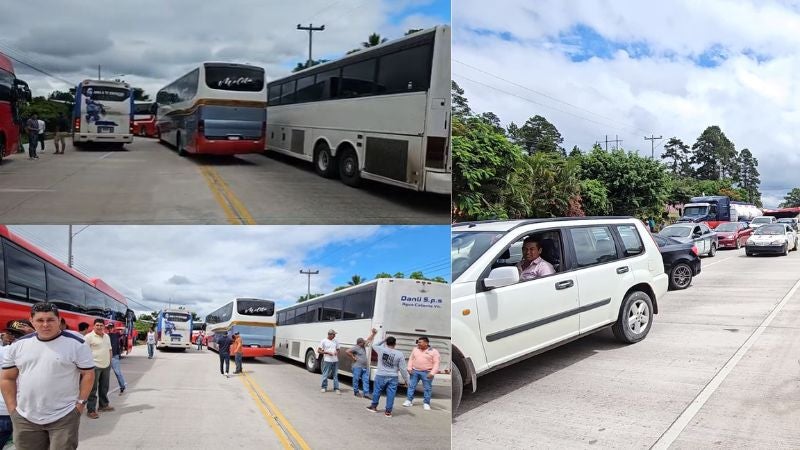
(772, 238)
(792, 221)
(606, 272)
(733, 234)
(762, 220)
(703, 237)
(681, 261)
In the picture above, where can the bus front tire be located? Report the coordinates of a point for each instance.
(324, 164)
(348, 167)
(312, 362)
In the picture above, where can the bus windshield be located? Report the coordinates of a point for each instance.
(255, 335)
(143, 108)
(232, 78)
(108, 94)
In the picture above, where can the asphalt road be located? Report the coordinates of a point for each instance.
(180, 400)
(718, 369)
(148, 183)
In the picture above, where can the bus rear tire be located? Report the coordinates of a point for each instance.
(180, 146)
(312, 362)
(348, 167)
(324, 164)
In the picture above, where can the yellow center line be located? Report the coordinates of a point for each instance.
(271, 406)
(235, 211)
(270, 420)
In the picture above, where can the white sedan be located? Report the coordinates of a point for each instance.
(772, 238)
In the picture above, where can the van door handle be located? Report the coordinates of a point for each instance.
(561, 285)
(623, 269)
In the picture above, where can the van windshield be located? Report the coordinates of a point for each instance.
(467, 247)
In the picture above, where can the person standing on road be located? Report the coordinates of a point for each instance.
(32, 127)
(422, 365)
(62, 127)
(13, 332)
(329, 348)
(199, 340)
(237, 351)
(224, 346)
(42, 126)
(390, 363)
(100, 344)
(46, 378)
(83, 328)
(151, 342)
(116, 351)
(361, 365)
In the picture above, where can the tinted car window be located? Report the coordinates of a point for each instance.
(593, 245)
(631, 241)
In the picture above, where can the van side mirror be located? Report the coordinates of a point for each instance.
(501, 276)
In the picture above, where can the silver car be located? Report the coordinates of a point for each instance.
(703, 237)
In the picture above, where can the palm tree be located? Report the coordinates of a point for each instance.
(355, 280)
(373, 40)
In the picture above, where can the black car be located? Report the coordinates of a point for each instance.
(681, 261)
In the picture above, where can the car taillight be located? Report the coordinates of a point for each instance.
(695, 251)
(77, 125)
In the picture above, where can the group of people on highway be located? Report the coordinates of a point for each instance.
(227, 344)
(35, 129)
(422, 365)
(51, 375)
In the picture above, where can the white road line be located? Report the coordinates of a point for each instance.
(688, 414)
(717, 262)
(106, 155)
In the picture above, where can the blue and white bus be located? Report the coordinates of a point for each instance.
(216, 108)
(103, 113)
(174, 329)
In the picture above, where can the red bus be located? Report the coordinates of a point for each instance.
(144, 119)
(12, 92)
(29, 275)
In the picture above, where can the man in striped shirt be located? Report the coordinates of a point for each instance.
(422, 365)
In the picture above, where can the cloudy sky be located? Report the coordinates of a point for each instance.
(204, 267)
(152, 42)
(631, 69)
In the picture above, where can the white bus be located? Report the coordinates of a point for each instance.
(103, 113)
(381, 113)
(217, 108)
(253, 318)
(403, 308)
(173, 329)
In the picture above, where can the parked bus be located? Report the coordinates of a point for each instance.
(12, 93)
(217, 108)
(381, 113)
(144, 119)
(28, 275)
(173, 329)
(403, 308)
(103, 113)
(253, 318)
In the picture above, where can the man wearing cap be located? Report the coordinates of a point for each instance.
(361, 365)
(116, 351)
(236, 349)
(329, 349)
(14, 330)
(47, 376)
(224, 348)
(100, 344)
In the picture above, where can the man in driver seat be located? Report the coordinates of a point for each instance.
(532, 265)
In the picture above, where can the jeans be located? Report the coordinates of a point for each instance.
(199, 344)
(41, 140)
(5, 430)
(238, 357)
(330, 368)
(99, 389)
(224, 359)
(361, 374)
(383, 382)
(32, 141)
(150, 349)
(427, 385)
(118, 371)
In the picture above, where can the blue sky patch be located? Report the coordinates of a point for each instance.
(583, 42)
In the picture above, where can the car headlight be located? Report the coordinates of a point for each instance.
(778, 242)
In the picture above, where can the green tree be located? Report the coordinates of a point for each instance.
(383, 275)
(460, 104)
(493, 121)
(373, 40)
(355, 280)
(399, 275)
(305, 64)
(575, 152)
(538, 135)
(439, 280)
(749, 177)
(417, 275)
(792, 199)
(679, 190)
(548, 185)
(139, 95)
(195, 317)
(713, 154)
(303, 298)
(637, 186)
(594, 198)
(678, 155)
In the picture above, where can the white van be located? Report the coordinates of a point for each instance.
(606, 272)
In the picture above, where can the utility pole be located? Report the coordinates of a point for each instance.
(309, 273)
(652, 139)
(310, 28)
(69, 254)
(616, 142)
(98, 72)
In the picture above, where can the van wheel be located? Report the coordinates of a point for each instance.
(785, 249)
(458, 387)
(738, 244)
(680, 277)
(635, 318)
(713, 250)
(324, 164)
(348, 167)
(312, 362)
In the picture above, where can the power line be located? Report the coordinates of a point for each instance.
(7, 50)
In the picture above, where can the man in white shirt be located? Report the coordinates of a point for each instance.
(46, 378)
(100, 344)
(329, 349)
(41, 133)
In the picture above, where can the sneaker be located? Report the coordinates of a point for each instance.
(121, 390)
(407, 403)
(227, 376)
(106, 408)
(426, 407)
(93, 415)
(323, 390)
(338, 392)
(372, 408)
(387, 414)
